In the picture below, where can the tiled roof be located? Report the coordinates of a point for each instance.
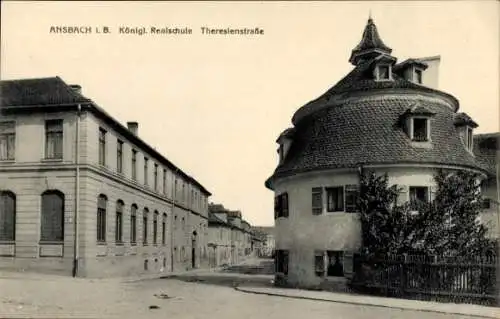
(361, 79)
(370, 41)
(487, 151)
(40, 92)
(464, 119)
(361, 132)
(53, 93)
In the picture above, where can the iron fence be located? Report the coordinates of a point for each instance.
(471, 279)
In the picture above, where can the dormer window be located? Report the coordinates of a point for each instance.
(466, 126)
(469, 138)
(420, 129)
(383, 72)
(417, 121)
(418, 76)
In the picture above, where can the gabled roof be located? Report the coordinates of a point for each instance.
(464, 119)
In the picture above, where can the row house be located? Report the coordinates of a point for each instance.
(82, 194)
(230, 237)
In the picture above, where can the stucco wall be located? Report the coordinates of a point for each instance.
(302, 232)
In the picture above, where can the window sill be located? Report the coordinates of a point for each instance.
(133, 244)
(51, 242)
(422, 144)
(51, 160)
(119, 243)
(7, 161)
(102, 243)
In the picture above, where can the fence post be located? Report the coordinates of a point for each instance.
(403, 276)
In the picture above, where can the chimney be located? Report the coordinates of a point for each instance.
(133, 127)
(430, 77)
(76, 88)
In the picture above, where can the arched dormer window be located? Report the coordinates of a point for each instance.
(465, 125)
(285, 141)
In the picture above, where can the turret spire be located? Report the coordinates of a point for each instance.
(371, 44)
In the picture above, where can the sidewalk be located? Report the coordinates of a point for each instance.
(403, 304)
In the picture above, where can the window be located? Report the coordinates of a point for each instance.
(486, 204)
(281, 261)
(164, 230)
(351, 198)
(133, 224)
(119, 222)
(146, 171)
(54, 139)
(52, 225)
(419, 194)
(384, 72)
(7, 216)
(145, 227)
(164, 181)
(317, 200)
(175, 188)
(420, 130)
(183, 225)
(418, 76)
(175, 221)
(7, 140)
(183, 253)
(155, 177)
(101, 218)
(319, 263)
(119, 156)
(281, 206)
(155, 228)
(469, 138)
(183, 193)
(102, 146)
(335, 199)
(134, 165)
(335, 263)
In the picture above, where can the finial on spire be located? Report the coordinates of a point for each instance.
(371, 45)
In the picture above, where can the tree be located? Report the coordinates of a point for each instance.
(448, 225)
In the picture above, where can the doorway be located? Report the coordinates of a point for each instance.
(193, 249)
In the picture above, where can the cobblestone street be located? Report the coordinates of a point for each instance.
(206, 295)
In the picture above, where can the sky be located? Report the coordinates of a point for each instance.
(214, 105)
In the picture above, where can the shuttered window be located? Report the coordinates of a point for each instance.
(54, 139)
(164, 230)
(145, 227)
(317, 201)
(119, 222)
(155, 228)
(281, 206)
(52, 223)
(7, 216)
(7, 140)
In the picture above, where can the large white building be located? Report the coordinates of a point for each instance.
(385, 116)
(82, 194)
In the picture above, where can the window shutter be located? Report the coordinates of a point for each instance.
(351, 197)
(284, 205)
(317, 200)
(432, 193)
(348, 264)
(403, 195)
(276, 206)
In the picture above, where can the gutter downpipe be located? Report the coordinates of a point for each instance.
(77, 194)
(174, 191)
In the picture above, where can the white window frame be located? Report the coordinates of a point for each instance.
(469, 141)
(377, 72)
(428, 128)
(415, 77)
(325, 190)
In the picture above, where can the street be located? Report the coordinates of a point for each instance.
(183, 297)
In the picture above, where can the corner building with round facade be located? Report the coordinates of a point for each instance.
(384, 116)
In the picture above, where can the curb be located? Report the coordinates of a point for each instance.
(241, 289)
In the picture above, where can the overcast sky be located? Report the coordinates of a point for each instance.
(214, 105)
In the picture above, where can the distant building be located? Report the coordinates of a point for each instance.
(81, 194)
(230, 237)
(267, 243)
(384, 116)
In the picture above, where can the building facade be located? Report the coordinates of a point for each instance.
(267, 243)
(230, 237)
(82, 194)
(384, 116)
